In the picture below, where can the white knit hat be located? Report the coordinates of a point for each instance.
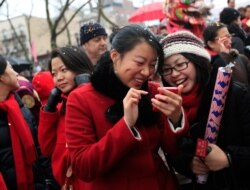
(183, 42)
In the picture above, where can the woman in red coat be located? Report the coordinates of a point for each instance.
(67, 66)
(113, 134)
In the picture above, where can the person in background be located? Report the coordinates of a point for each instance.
(17, 148)
(69, 67)
(112, 132)
(93, 39)
(227, 164)
(231, 17)
(163, 30)
(246, 21)
(231, 3)
(29, 96)
(242, 11)
(218, 41)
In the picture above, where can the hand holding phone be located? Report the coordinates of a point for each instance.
(172, 89)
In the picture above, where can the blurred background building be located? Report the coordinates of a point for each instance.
(29, 38)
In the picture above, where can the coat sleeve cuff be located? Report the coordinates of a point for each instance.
(178, 128)
(133, 131)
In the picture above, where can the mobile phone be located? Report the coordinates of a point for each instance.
(172, 89)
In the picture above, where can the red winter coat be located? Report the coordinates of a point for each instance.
(51, 136)
(107, 156)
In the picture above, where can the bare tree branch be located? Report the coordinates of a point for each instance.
(2, 2)
(102, 14)
(16, 35)
(67, 28)
(54, 25)
(72, 17)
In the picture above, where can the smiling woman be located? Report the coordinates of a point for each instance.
(230, 154)
(113, 134)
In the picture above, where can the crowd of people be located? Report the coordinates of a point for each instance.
(107, 118)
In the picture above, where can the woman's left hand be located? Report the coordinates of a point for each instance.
(216, 159)
(169, 103)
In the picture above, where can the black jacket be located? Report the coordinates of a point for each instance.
(234, 137)
(41, 169)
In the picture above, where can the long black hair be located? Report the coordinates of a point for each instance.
(129, 36)
(74, 58)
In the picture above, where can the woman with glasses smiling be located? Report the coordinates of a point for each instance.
(187, 63)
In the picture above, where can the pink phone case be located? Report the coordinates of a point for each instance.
(172, 89)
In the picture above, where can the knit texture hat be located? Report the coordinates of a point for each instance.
(43, 84)
(3, 64)
(183, 42)
(228, 15)
(91, 30)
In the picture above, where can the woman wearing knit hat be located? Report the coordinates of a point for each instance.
(69, 66)
(113, 133)
(187, 63)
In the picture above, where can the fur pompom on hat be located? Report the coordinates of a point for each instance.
(91, 30)
(183, 42)
(228, 15)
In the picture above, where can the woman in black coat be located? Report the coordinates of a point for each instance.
(227, 164)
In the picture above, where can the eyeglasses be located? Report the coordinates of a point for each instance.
(225, 36)
(178, 67)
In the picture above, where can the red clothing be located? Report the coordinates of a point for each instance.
(2, 183)
(51, 136)
(106, 155)
(23, 147)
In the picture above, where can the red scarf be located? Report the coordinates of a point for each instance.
(191, 102)
(2, 184)
(22, 143)
(211, 52)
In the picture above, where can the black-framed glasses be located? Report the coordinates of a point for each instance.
(178, 67)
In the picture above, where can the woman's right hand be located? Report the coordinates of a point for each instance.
(130, 105)
(225, 44)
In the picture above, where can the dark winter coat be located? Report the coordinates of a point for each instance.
(234, 137)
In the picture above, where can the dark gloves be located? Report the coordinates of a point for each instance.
(53, 100)
(82, 78)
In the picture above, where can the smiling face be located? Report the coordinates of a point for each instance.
(135, 66)
(186, 77)
(62, 77)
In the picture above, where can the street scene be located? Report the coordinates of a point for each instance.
(122, 94)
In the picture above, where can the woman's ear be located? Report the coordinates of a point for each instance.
(2, 78)
(114, 55)
(211, 44)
